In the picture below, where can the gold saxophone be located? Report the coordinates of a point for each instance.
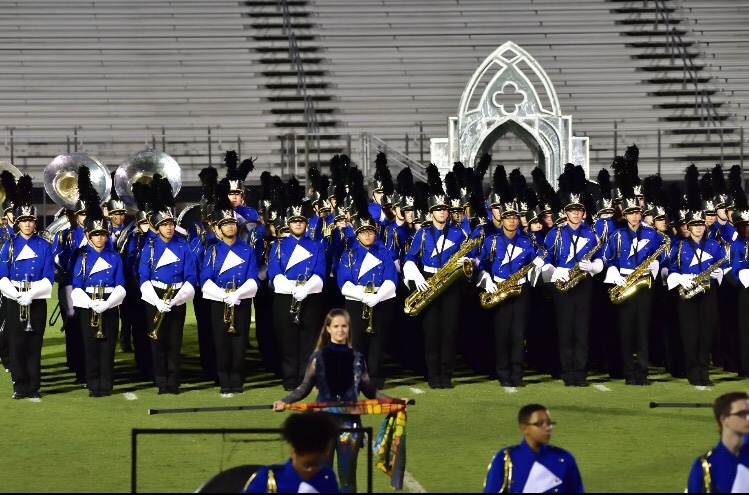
(577, 274)
(505, 289)
(702, 280)
(442, 279)
(639, 278)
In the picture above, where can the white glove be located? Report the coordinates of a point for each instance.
(370, 300)
(100, 306)
(464, 259)
(538, 262)
(490, 286)
(163, 307)
(232, 299)
(25, 299)
(653, 266)
(299, 292)
(620, 280)
(421, 283)
(586, 266)
(561, 274)
(685, 282)
(743, 276)
(717, 274)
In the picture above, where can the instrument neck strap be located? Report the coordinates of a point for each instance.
(150, 260)
(83, 267)
(493, 249)
(11, 248)
(573, 240)
(445, 230)
(700, 247)
(213, 258)
(634, 241)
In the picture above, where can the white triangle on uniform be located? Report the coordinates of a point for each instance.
(448, 244)
(230, 262)
(167, 258)
(741, 481)
(696, 257)
(540, 479)
(84, 241)
(26, 253)
(640, 244)
(100, 266)
(515, 253)
(580, 243)
(370, 261)
(305, 487)
(298, 255)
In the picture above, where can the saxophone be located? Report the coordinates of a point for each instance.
(702, 280)
(506, 289)
(442, 279)
(639, 278)
(577, 274)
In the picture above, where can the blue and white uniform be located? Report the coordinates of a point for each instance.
(728, 473)
(286, 480)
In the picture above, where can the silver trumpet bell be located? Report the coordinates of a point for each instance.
(61, 178)
(141, 167)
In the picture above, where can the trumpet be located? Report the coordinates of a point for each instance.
(168, 294)
(24, 313)
(229, 310)
(366, 312)
(297, 305)
(96, 319)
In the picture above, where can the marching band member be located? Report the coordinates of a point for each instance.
(573, 245)
(236, 173)
(167, 282)
(503, 254)
(401, 228)
(740, 271)
(228, 278)
(382, 191)
(625, 250)
(697, 315)
(98, 289)
(8, 183)
(432, 247)
(367, 278)
(27, 271)
(296, 269)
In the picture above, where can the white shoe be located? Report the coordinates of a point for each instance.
(227, 396)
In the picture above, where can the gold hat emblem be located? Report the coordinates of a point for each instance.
(409, 200)
(638, 190)
(574, 198)
(697, 215)
(683, 213)
(296, 210)
(709, 205)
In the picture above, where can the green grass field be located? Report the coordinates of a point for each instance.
(72, 443)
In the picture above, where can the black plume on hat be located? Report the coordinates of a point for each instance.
(8, 183)
(500, 184)
(451, 186)
(360, 201)
(24, 191)
(529, 197)
(141, 194)
(94, 213)
(434, 180)
(266, 185)
(517, 183)
(383, 175)
(222, 196)
(478, 207)
(161, 193)
(208, 180)
(719, 181)
(294, 192)
(483, 165)
(739, 198)
(692, 178)
(676, 200)
(538, 176)
(460, 175)
(231, 160)
(278, 195)
(622, 178)
(247, 166)
(113, 192)
(604, 183)
(84, 181)
(631, 159)
(734, 178)
(421, 196)
(405, 182)
(652, 185)
(706, 186)
(313, 179)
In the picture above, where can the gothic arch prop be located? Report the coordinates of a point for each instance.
(510, 93)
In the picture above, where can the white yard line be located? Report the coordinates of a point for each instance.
(602, 388)
(410, 483)
(511, 390)
(416, 390)
(130, 396)
(702, 387)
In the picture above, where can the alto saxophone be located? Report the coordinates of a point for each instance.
(639, 278)
(505, 289)
(577, 274)
(702, 280)
(442, 279)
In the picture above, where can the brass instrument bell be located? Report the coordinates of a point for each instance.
(61, 178)
(141, 167)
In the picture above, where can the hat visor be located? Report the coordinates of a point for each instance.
(366, 227)
(24, 218)
(632, 209)
(296, 218)
(574, 206)
(508, 213)
(98, 232)
(695, 222)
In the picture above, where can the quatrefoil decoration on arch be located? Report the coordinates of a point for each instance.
(509, 99)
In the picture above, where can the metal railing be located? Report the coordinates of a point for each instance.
(310, 114)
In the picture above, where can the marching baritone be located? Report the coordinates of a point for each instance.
(367, 278)
(626, 251)
(697, 258)
(504, 255)
(296, 269)
(228, 278)
(27, 271)
(572, 257)
(167, 282)
(432, 247)
(98, 289)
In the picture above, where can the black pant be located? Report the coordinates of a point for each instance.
(743, 319)
(697, 320)
(573, 323)
(542, 334)
(74, 353)
(296, 342)
(230, 347)
(372, 345)
(206, 346)
(266, 337)
(4, 344)
(634, 330)
(673, 346)
(509, 318)
(440, 326)
(99, 352)
(26, 346)
(135, 307)
(166, 350)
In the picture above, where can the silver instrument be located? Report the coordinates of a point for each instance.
(141, 167)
